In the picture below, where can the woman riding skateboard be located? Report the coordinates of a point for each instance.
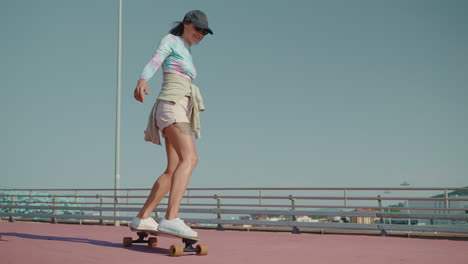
(175, 116)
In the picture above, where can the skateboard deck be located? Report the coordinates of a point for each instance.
(174, 250)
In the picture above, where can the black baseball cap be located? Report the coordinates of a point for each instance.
(199, 19)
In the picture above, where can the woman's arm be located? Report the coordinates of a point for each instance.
(163, 51)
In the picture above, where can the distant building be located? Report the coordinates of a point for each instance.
(335, 219)
(304, 219)
(439, 204)
(276, 219)
(364, 219)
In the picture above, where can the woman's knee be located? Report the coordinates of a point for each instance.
(195, 160)
(190, 159)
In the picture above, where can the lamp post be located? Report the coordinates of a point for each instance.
(117, 118)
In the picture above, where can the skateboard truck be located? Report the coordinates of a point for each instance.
(189, 245)
(141, 237)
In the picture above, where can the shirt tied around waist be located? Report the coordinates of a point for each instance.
(174, 88)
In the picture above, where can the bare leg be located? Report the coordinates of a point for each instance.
(162, 186)
(180, 136)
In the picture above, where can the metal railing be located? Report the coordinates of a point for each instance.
(378, 210)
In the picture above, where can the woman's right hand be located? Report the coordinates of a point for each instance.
(140, 90)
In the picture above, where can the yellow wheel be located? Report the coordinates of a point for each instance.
(152, 241)
(202, 249)
(127, 241)
(176, 250)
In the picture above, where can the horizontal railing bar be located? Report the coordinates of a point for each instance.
(74, 190)
(260, 188)
(47, 202)
(428, 228)
(260, 206)
(344, 226)
(253, 197)
(335, 225)
(67, 216)
(73, 196)
(260, 212)
(329, 189)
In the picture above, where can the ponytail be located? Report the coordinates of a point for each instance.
(178, 30)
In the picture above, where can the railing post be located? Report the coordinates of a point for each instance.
(53, 220)
(30, 200)
(260, 197)
(188, 196)
(219, 227)
(76, 204)
(447, 205)
(345, 198)
(383, 232)
(101, 222)
(379, 204)
(12, 209)
(156, 213)
(295, 229)
(116, 206)
(407, 206)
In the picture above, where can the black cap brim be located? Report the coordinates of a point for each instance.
(202, 26)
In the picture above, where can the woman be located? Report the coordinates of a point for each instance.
(175, 116)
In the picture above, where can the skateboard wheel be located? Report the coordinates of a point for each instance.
(127, 241)
(152, 241)
(176, 250)
(202, 249)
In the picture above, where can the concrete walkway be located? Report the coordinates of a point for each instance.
(69, 244)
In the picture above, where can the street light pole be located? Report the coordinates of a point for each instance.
(117, 121)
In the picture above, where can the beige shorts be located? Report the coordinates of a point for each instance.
(168, 113)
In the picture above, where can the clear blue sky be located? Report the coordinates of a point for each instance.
(298, 93)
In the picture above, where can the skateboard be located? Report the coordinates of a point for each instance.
(174, 250)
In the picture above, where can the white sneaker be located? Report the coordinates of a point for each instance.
(147, 224)
(176, 226)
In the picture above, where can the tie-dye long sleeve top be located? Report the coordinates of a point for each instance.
(174, 55)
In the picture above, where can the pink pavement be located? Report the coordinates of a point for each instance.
(69, 244)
